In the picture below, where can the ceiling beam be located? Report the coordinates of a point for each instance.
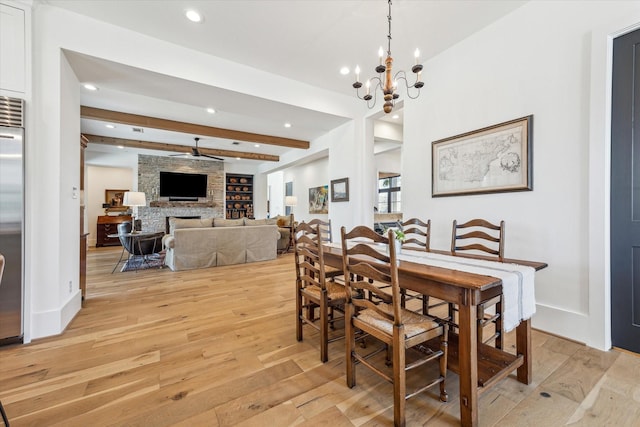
(132, 143)
(191, 128)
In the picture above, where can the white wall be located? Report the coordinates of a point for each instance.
(534, 61)
(276, 194)
(389, 161)
(99, 179)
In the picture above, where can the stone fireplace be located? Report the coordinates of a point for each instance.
(154, 216)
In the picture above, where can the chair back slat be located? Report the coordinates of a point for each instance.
(368, 271)
(324, 229)
(417, 234)
(309, 258)
(478, 235)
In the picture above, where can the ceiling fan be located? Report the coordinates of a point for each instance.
(195, 152)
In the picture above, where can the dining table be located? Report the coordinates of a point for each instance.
(478, 365)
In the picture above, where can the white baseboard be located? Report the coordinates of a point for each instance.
(554, 320)
(54, 322)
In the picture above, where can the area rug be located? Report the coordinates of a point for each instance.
(140, 263)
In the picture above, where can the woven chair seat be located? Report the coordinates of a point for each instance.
(414, 323)
(335, 291)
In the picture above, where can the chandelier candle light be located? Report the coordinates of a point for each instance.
(385, 82)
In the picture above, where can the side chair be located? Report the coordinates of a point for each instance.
(402, 331)
(313, 290)
(483, 237)
(418, 238)
(324, 230)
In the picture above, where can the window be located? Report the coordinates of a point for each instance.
(389, 195)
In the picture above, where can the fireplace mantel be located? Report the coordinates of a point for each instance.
(167, 204)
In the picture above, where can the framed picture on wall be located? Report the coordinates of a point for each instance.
(319, 200)
(340, 190)
(114, 199)
(494, 159)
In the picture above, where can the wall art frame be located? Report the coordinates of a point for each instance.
(319, 200)
(114, 199)
(494, 159)
(340, 190)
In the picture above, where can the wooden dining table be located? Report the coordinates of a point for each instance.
(478, 365)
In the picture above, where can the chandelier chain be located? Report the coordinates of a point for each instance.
(389, 35)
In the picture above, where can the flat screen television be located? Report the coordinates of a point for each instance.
(183, 186)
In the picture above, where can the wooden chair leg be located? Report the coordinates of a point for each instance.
(500, 325)
(299, 316)
(444, 346)
(350, 345)
(4, 415)
(400, 378)
(324, 329)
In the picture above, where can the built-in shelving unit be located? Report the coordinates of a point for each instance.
(238, 196)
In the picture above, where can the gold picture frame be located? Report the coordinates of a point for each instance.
(114, 199)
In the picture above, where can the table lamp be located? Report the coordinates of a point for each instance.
(134, 199)
(290, 201)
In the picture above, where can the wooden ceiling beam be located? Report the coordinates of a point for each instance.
(132, 143)
(191, 128)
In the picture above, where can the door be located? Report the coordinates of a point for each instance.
(625, 193)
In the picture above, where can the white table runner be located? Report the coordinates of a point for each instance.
(518, 288)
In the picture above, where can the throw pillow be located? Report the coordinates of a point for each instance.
(284, 220)
(271, 221)
(248, 221)
(221, 222)
(177, 223)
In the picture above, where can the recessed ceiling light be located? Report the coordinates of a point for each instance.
(257, 145)
(287, 125)
(89, 86)
(193, 16)
(110, 126)
(237, 158)
(395, 116)
(344, 71)
(211, 110)
(121, 147)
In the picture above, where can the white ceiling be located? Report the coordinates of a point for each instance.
(308, 41)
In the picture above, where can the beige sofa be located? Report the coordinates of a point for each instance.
(202, 243)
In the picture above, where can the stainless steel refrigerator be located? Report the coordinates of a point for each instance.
(11, 219)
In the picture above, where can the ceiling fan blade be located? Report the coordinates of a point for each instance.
(212, 157)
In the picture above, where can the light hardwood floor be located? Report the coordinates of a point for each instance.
(217, 347)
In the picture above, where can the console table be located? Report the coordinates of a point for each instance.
(107, 225)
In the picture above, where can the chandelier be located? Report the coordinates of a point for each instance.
(385, 82)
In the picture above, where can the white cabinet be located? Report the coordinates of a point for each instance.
(13, 55)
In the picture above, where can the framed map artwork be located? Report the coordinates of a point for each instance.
(494, 159)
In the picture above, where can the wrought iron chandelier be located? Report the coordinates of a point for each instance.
(385, 82)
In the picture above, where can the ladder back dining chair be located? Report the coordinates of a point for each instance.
(400, 331)
(483, 237)
(313, 290)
